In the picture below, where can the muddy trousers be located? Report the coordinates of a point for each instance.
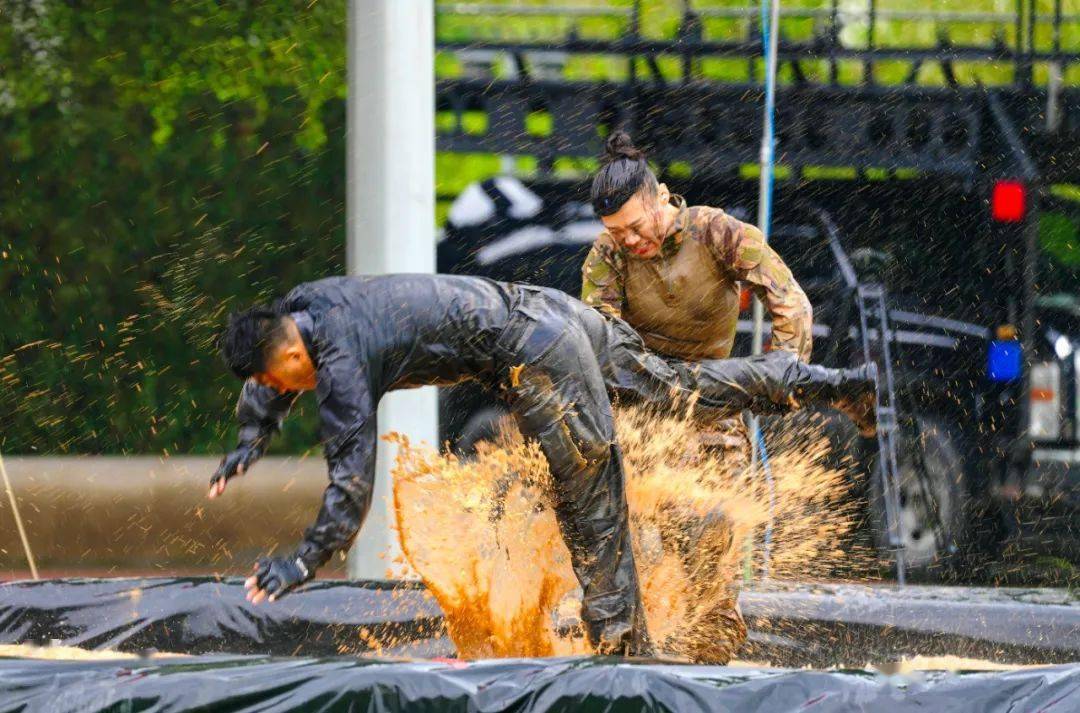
(554, 387)
(556, 363)
(721, 388)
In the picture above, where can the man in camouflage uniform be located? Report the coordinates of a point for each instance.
(675, 273)
(684, 301)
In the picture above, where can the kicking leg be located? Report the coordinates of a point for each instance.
(776, 382)
(784, 378)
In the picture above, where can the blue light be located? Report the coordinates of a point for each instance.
(1003, 360)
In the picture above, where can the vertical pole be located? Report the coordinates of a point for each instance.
(1032, 20)
(390, 209)
(1055, 76)
(687, 57)
(1029, 271)
(1020, 451)
(1020, 74)
(834, 41)
(1057, 27)
(871, 41)
(767, 156)
(771, 29)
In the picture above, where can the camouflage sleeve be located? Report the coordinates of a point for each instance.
(741, 249)
(601, 278)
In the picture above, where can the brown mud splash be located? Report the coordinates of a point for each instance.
(481, 535)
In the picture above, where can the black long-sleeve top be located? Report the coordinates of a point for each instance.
(367, 336)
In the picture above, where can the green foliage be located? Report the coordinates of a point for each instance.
(1060, 242)
(129, 55)
(121, 257)
(159, 169)
(1059, 236)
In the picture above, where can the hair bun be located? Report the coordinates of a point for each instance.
(619, 146)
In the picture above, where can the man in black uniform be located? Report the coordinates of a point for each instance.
(553, 359)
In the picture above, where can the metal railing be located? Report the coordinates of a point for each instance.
(1027, 47)
(570, 11)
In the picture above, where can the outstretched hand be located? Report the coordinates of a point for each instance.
(233, 464)
(274, 577)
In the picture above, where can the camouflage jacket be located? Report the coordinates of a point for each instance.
(685, 301)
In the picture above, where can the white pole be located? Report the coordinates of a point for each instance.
(390, 209)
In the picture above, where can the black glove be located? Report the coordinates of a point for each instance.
(243, 455)
(278, 575)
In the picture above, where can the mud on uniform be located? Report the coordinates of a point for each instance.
(554, 361)
(685, 303)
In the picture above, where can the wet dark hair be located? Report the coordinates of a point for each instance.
(623, 172)
(249, 337)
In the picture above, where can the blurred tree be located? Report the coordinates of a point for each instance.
(160, 166)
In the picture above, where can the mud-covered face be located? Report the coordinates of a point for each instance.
(288, 365)
(642, 223)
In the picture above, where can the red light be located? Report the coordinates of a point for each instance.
(744, 299)
(1008, 202)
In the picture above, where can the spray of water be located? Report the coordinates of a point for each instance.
(481, 534)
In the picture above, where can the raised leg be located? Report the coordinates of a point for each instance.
(776, 382)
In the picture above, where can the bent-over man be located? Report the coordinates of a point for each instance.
(554, 360)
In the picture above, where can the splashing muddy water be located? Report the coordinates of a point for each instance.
(482, 536)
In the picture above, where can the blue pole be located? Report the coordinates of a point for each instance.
(770, 12)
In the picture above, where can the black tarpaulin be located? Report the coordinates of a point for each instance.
(815, 625)
(207, 615)
(265, 684)
(850, 625)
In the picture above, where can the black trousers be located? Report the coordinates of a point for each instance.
(558, 360)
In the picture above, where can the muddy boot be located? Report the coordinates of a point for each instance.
(853, 392)
(621, 638)
(700, 541)
(720, 635)
(719, 630)
(860, 402)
